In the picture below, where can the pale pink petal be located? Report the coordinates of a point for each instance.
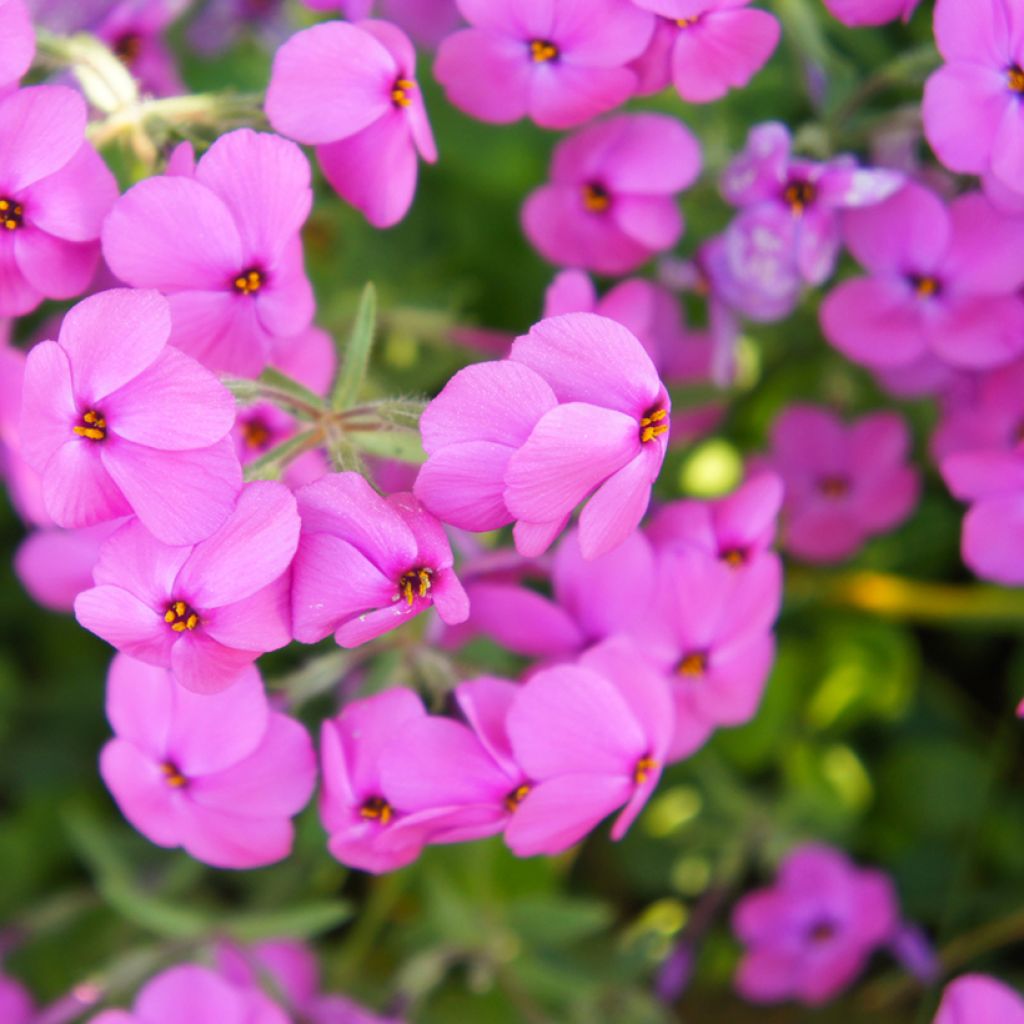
(533, 539)
(134, 559)
(464, 484)
(618, 505)
(259, 622)
(49, 411)
(221, 329)
(126, 623)
(875, 321)
(59, 269)
(77, 488)
(140, 705)
(17, 296)
(485, 702)
(963, 108)
(203, 665)
(470, 63)
(190, 993)
(980, 333)
(979, 35)
(43, 129)
(564, 95)
(363, 628)
(140, 788)
(228, 840)
(993, 539)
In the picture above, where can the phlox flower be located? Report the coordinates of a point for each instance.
(19, 42)
(871, 12)
(611, 202)
(220, 775)
(558, 64)
(116, 421)
(706, 47)
(810, 934)
(351, 91)
(366, 564)
(943, 279)
(844, 483)
(204, 612)
(800, 199)
(55, 191)
(15, 1002)
(426, 21)
(592, 737)
(978, 999)
(134, 30)
(222, 243)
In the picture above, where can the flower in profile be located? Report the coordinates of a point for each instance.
(351, 91)
(706, 47)
(592, 737)
(222, 243)
(220, 775)
(55, 191)
(810, 934)
(858, 13)
(559, 65)
(943, 279)
(844, 483)
(611, 202)
(204, 612)
(979, 999)
(366, 564)
(19, 42)
(115, 420)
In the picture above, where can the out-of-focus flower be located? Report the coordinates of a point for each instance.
(979, 999)
(611, 202)
(19, 42)
(15, 1003)
(134, 30)
(871, 12)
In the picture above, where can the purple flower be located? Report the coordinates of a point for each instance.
(220, 23)
(366, 564)
(943, 279)
(220, 775)
(134, 30)
(810, 934)
(979, 999)
(558, 64)
(871, 12)
(205, 612)
(117, 421)
(706, 47)
(351, 91)
(19, 42)
(55, 191)
(767, 177)
(15, 1003)
(223, 246)
(611, 202)
(844, 484)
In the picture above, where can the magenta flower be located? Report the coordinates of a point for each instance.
(706, 47)
(351, 91)
(943, 279)
(55, 191)
(611, 202)
(810, 934)
(844, 484)
(220, 775)
(978, 999)
(366, 564)
(204, 612)
(766, 176)
(223, 246)
(559, 65)
(857, 13)
(117, 421)
(592, 737)
(19, 42)
(16, 1005)
(134, 30)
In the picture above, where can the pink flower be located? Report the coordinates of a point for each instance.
(204, 612)
(978, 999)
(365, 565)
(55, 191)
(943, 279)
(223, 245)
(811, 933)
(871, 12)
(117, 421)
(15, 1002)
(135, 32)
(558, 64)
(19, 42)
(611, 203)
(351, 91)
(592, 737)
(220, 775)
(844, 484)
(706, 47)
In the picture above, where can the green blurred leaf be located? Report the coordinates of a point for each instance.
(403, 446)
(301, 922)
(354, 357)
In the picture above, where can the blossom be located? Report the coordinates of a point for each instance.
(19, 42)
(810, 934)
(223, 245)
(426, 21)
(366, 564)
(351, 91)
(15, 1002)
(55, 191)
(218, 774)
(134, 30)
(208, 611)
(220, 23)
(592, 737)
(942, 279)
(706, 47)
(844, 483)
(977, 999)
(559, 65)
(805, 197)
(871, 12)
(610, 204)
(117, 421)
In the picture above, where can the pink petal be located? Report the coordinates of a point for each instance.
(19, 49)
(126, 623)
(571, 291)
(980, 333)
(470, 62)
(449, 598)
(464, 484)
(49, 411)
(618, 505)
(221, 329)
(364, 628)
(980, 35)
(993, 540)
(17, 295)
(203, 665)
(533, 539)
(565, 95)
(77, 488)
(963, 108)
(141, 791)
(600, 33)
(485, 702)
(59, 269)
(140, 705)
(192, 994)
(132, 558)
(653, 221)
(260, 622)
(523, 621)
(44, 126)
(874, 321)
(976, 998)
(228, 840)
(987, 254)
(285, 305)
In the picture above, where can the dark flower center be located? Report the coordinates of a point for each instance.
(643, 769)
(516, 797)
(653, 425)
(799, 195)
(249, 281)
(256, 434)
(693, 665)
(128, 47)
(735, 558)
(172, 776)
(542, 51)
(400, 92)
(93, 426)
(376, 808)
(834, 486)
(596, 198)
(414, 582)
(1015, 78)
(12, 214)
(822, 931)
(688, 22)
(926, 286)
(180, 617)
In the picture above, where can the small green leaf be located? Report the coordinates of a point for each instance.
(300, 922)
(401, 445)
(355, 356)
(299, 395)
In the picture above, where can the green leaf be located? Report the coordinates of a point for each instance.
(401, 445)
(552, 922)
(300, 922)
(269, 465)
(356, 355)
(291, 389)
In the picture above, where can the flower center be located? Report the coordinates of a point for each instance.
(376, 808)
(799, 195)
(256, 434)
(249, 281)
(180, 617)
(653, 425)
(12, 214)
(926, 286)
(93, 426)
(414, 582)
(542, 51)
(400, 92)
(516, 797)
(128, 47)
(735, 558)
(834, 486)
(172, 776)
(688, 22)
(643, 769)
(693, 665)
(1015, 78)
(596, 198)
(821, 931)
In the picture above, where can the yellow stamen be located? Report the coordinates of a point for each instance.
(926, 287)
(688, 22)
(693, 665)
(376, 808)
(248, 282)
(415, 581)
(172, 776)
(400, 92)
(180, 617)
(542, 51)
(652, 425)
(596, 198)
(93, 426)
(11, 214)
(643, 769)
(734, 558)
(1015, 78)
(516, 797)
(799, 195)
